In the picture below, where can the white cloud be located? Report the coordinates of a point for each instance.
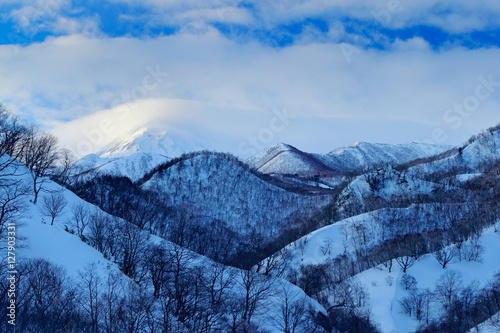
(32, 17)
(226, 91)
(457, 16)
(413, 44)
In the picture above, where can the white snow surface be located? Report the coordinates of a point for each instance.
(328, 242)
(492, 325)
(467, 176)
(384, 299)
(39, 239)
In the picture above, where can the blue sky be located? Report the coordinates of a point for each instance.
(226, 66)
(376, 27)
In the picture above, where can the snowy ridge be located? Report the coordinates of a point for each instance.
(52, 243)
(287, 160)
(395, 216)
(472, 158)
(365, 156)
(384, 288)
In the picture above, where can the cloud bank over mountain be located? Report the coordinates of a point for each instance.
(348, 71)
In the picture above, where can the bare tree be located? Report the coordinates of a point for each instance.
(145, 210)
(349, 294)
(405, 262)
(11, 204)
(81, 217)
(445, 255)
(90, 301)
(408, 282)
(417, 304)
(66, 168)
(110, 302)
(97, 235)
(12, 133)
(178, 285)
(132, 243)
(472, 249)
(276, 264)
(46, 299)
(292, 315)
(219, 279)
(135, 309)
(53, 205)
(158, 264)
(448, 288)
(40, 154)
(256, 290)
(388, 264)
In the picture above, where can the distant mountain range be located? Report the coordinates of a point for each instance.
(138, 153)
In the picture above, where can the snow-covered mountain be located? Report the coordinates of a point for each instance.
(285, 159)
(366, 156)
(139, 152)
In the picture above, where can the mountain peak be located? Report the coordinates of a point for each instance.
(128, 144)
(283, 147)
(355, 144)
(141, 150)
(144, 140)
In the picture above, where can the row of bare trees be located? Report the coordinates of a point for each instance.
(212, 298)
(22, 143)
(462, 307)
(204, 297)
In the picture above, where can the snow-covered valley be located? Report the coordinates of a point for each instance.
(367, 238)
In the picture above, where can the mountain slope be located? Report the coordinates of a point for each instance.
(426, 218)
(215, 186)
(57, 245)
(480, 153)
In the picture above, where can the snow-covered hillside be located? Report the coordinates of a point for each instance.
(474, 157)
(355, 231)
(215, 187)
(59, 244)
(362, 232)
(36, 237)
(285, 159)
(428, 222)
(386, 291)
